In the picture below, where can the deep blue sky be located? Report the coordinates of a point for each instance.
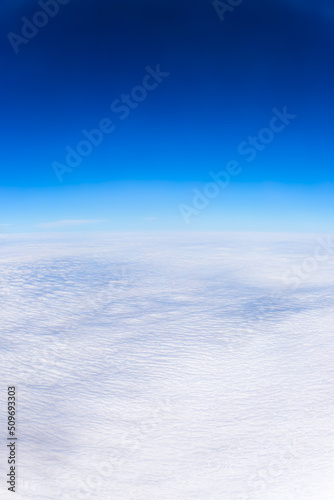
(225, 77)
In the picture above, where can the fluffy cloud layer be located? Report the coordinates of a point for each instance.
(179, 367)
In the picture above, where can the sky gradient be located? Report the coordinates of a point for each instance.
(201, 89)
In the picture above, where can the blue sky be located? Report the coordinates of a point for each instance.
(222, 80)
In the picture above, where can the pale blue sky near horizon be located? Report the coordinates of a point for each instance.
(153, 206)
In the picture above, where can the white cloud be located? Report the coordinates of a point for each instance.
(68, 223)
(142, 370)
